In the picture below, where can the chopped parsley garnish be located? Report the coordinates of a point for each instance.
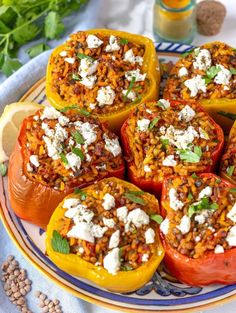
(165, 143)
(68, 108)
(59, 244)
(205, 134)
(187, 53)
(154, 122)
(75, 76)
(231, 116)
(131, 86)
(84, 56)
(232, 190)
(63, 158)
(137, 100)
(133, 196)
(83, 194)
(201, 205)
(136, 193)
(194, 175)
(157, 218)
(3, 169)
(78, 137)
(218, 180)
(233, 71)
(191, 156)
(124, 41)
(207, 80)
(126, 267)
(230, 170)
(213, 71)
(160, 104)
(190, 196)
(78, 152)
(84, 112)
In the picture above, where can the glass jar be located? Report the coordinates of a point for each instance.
(175, 20)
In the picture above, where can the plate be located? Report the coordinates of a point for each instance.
(162, 293)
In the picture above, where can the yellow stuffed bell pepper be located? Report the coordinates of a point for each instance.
(206, 74)
(228, 161)
(105, 72)
(108, 234)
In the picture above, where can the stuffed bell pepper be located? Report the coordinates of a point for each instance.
(56, 152)
(207, 74)
(106, 72)
(228, 161)
(169, 137)
(108, 234)
(199, 229)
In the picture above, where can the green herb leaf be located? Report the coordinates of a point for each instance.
(154, 122)
(232, 189)
(59, 244)
(165, 143)
(83, 194)
(78, 137)
(233, 71)
(190, 156)
(84, 112)
(37, 49)
(183, 55)
(26, 32)
(53, 27)
(10, 66)
(203, 204)
(137, 100)
(3, 169)
(230, 170)
(63, 158)
(120, 254)
(75, 76)
(157, 218)
(207, 80)
(84, 56)
(131, 85)
(132, 197)
(68, 108)
(126, 268)
(218, 180)
(194, 175)
(124, 41)
(231, 116)
(137, 193)
(212, 71)
(190, 196)
(78, 152)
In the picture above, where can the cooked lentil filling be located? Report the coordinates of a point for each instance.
(166, 139)
(228, 161)
(68, 149)
(207, 72)
(201, 215)
(107, 226)
(100, 73)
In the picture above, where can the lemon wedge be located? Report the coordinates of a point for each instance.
(10, 122)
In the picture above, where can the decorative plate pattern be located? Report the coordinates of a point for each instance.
(162, 293)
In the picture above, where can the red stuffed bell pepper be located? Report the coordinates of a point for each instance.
(56, 152)
(169, 137)
(199, 229)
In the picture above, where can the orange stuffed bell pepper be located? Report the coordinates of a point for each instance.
(108, 234)
(199, 231)
(56, 152)
(106, 72)
(228, 161)
(166, 137)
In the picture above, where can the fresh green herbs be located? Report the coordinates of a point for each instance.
(78, 152)
(232, 189)
(218, 180)
(133, 196)
(190, 196)
(124, 41)
(75, 76)
(126, 267)
(75, 107)
(230, 170)
(165, 143)
(59, 244)
(3, 169)
(211, 73)
(84, 112)
(84, 56)
(78, 137)
(183, 55)
(231, 116)
(63, 158)
(154, 122)
(233, 71)
(201, 205)
(194, 175)
(191, 156)
(157, 218)
(22, 21)
(131, 86)
(83, 194)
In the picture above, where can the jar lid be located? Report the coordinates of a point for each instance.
(177, 5)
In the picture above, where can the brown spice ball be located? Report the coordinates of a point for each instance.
(210, 17)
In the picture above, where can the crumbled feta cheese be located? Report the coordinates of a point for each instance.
(147, 169)
(201, 218)
(145, 257)
(202, 60)
(47, 130)
(113, 44)
(182, 72)
(226, 87)
(70, 60)
(131, 95)
(169, 161)
(97, 231)
(63, 120)
(186, 114)
(197, 239)
(93, 42)
(143, 124)
(203, 134)
(206, 192)
(88, 81)
(70, 203)
(52, 148)
(165, 104)
(60, 133)
(88, 157)
(74, 161)
(149, 236)
(139, 60)
(81, 250)
(81, 231)
(113, 57)
(36, 117)
(195, 84)
(149, 111)
(112, 145)
(109, 202)
(211, 228)
(175, 203)
(105, 96)
(101, 167)
(50, 113)
(185, 225)
(232, 214)
(109, 222)
(231, 237)
(164, 227)
(114, 240)
(71, 142)
(34, 159)
(219, 249)
(87, 67)
(87, 131)
(29, 168)
(162, 130)
(111, 261)
(63, 53)
(80, 213)
(138, 217)
(122, 213)
(92, 106)
(130, 57)
(223, 76)
(135, 73)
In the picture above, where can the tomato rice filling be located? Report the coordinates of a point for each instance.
(68, 148)
(102, 74)
(228, 161)
(110, 226)
(200, 215)
(164, 139)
